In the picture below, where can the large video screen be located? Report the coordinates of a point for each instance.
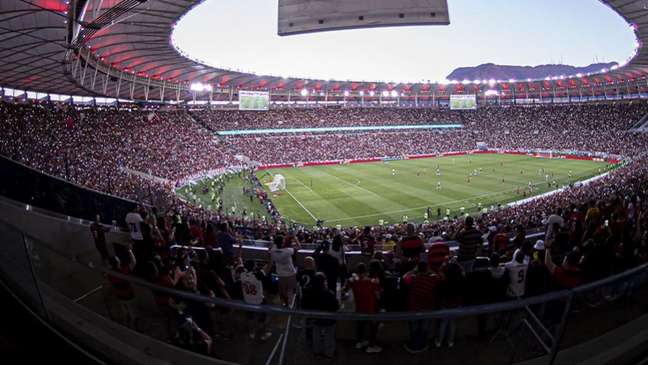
(463, 102)
(254, 100)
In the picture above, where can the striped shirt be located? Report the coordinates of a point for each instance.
(469, 241)
(423, 292)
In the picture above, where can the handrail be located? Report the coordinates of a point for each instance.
(384, 316)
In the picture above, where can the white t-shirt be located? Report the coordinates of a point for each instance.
(517, 273)
(252, 288)
(282, 257)
(134, 220)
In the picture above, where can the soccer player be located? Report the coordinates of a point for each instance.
(438, 171)
(393, 172)
(570, 174)
(438, 185)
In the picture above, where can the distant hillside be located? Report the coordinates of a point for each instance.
(503, 72)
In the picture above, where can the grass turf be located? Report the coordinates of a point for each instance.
(363, 194)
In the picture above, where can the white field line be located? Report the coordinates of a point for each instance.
(304, 185)
(301, 205)
(426, 206)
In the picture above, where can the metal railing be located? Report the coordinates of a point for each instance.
(44, 262)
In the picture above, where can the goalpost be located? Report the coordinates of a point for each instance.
(278, 183)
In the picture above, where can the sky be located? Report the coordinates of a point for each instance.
(242, 35)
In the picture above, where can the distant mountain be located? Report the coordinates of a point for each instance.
(489, 71)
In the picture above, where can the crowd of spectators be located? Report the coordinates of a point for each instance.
(223, 120)
(591, 230)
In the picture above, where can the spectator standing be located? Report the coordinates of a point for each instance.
(470, 241)
(225, 240)
(322, 298)
(281, 254)
(452, 291)
(366, 293)
(252, 285)
(423, 286)
(98, 231)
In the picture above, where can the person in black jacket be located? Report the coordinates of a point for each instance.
(484, 285)
(327, 264)
(320, 298)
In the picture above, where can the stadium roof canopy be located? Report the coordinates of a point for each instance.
(122, 48)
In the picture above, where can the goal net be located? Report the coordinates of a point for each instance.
(278, 183)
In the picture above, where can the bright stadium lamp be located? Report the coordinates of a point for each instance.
(372, 93)
(196, 86)
(361, 92)
(385, 93)
(490, 92)
(394, 93)
(208, 87)
(304, 92)
(346, 92)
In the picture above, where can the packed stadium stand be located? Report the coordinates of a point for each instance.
(99, 243)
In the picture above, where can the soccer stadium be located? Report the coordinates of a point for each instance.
(284, 182)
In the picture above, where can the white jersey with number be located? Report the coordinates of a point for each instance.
(134, 222)
(252, 288)
(517, 274)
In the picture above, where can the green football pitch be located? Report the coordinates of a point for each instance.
(365, 193)
(388, 192)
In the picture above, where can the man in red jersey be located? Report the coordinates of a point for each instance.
(366, 292)
(423, 284)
